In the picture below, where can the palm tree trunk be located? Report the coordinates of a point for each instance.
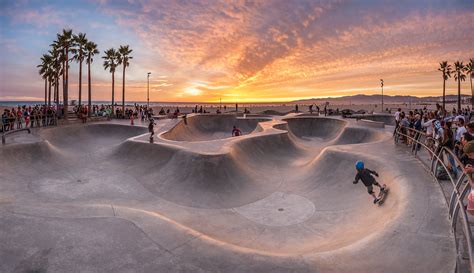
(89, 87)
(66, 93)
(49, 94)
(472, 94)
(444, 94)
(56, 91)
(123, 90)
(64, 90)
(113, 85)
(45, 91)
(80, 82)
(459, 92)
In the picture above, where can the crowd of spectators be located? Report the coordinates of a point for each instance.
(27, 117)
(453, 131)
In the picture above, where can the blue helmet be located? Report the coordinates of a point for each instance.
(359, 165)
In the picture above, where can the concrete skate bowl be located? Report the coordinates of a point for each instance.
(210, 127)
(261, 200)
(93, 137)
(280, 200)
(329, 131)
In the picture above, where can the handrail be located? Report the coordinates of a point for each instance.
(455, 204)
(41, 120)
(4, 134)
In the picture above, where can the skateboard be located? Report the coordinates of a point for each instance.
(383, 193)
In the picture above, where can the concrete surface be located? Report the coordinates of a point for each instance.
(101, 198)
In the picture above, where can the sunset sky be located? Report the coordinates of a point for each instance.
(246, 51)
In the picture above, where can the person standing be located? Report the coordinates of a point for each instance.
(397, 119)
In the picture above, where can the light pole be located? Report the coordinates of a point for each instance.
(148, 91)
(381, 84)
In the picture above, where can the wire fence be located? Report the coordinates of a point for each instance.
(446, 169)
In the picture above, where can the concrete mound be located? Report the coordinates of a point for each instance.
(356, 135)
(210, 127)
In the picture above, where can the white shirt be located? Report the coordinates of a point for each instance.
(397, 116)
(439, 135)
(459, 132)
(429, 127)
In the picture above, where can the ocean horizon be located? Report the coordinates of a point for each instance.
(153, 104)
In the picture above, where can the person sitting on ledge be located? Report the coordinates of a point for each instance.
(236, 131)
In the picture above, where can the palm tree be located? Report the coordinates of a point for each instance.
(445, 68)
(111, 59)
(469, 69)
(459, 76)
(65, 43)
(79, 52)
(58, 55)
(124, 53)
(57, 70)
(91, 50)
(43, 71)
(50, 74)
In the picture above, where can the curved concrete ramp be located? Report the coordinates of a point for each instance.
(385, 118)
(211, 127)
(278, 199)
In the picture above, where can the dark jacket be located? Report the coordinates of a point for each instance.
(366, 176)
(418, 125)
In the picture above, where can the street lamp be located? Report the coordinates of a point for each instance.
(148, 91)
(381, 84)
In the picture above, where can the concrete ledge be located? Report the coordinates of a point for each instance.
(371, 123)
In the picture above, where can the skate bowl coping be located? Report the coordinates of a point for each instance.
(211, 127)
(387, 119)
(371, 123)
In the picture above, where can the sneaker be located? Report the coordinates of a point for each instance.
(376, 200)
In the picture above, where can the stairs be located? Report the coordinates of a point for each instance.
(71, 116)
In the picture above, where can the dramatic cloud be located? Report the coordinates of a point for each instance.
(264, 50)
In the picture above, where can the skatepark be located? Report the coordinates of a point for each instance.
(100, 198)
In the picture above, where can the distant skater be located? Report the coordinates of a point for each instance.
(366, 176)
(151, 129)
(236, 131)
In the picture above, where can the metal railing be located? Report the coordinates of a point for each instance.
(443, 160)
(10, 125)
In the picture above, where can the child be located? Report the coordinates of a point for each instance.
(151, 128)
(366, 176)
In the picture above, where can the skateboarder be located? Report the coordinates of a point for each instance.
(366, 176)
(151, 128)
(236, 131)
